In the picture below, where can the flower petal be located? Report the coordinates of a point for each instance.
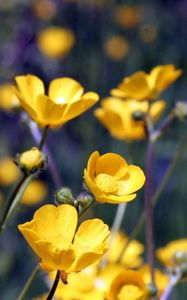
(92, 186)
(92, 164)
(113, 199)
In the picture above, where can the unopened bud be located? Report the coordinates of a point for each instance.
(152, 290)
(31, 161)
(138, 115)
(181, 110)
(64, 196)
(180, 257)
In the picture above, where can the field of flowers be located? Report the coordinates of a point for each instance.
(93, 150)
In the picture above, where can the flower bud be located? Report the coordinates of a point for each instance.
(31, 161)
(180, 257)
(181, 110)
(138, 115)
(64, 196)
(152, 290)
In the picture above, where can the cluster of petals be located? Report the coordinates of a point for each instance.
(65, 101)
(110, 179)
(117, 116)
(144, 86)
(53, 237)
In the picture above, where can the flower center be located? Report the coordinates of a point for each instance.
(129, 292)
(60, 100)
(106, 183)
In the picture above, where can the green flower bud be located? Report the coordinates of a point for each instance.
(181, 110)
(138, 115)
(64, 196)
(152, 290)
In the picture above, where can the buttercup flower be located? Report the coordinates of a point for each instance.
(8, 98)
(50, 235)
(56, 42)
(31, 160)
(161, 279)
(143, 86)
(131, 258)
(111, 179)
(128, 285)
(35, 192)
(118, 117)
(65, 101)
(9, 173)
(167, 254)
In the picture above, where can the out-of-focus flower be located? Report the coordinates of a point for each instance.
(119, 117)
(111, 179)
(161, 279)
(116, 47)
(148, 33)
(128, 285)
(180, 110)
(65, 101)
(168, 254)
(34, 193)
(144, 86)
(9, 173)
(51, 234)
(44, 9)
(8, 98)
(31, 160)
(127, 16)
(131, 258)
(55, 42)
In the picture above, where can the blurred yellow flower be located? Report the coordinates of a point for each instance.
(55, 42)
(51, 234)
(65, 101)
(117, 116)
(44, 9)
(128, 16)
(116, 47)
(131, 258)
(166, 254)
(8, 98)
(9, 172)
(144, 86)
(35, 192)
(128, 285)
(161, 279)
(31, 160)
(111, 179)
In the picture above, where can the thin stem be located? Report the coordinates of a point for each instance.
(149, 210)
(52, 166)
(43, 139)
(156, 197)
(28, 283)
(163, 126)
(174, 280)
(54, 286)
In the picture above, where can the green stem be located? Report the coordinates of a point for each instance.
(44, 136)
(156, 197)
(54, 286)
(28, 283)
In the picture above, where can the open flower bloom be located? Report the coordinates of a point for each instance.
(55, 42)
(64, 102)
(143, 86)
(131, 257)
(50, 235)
(161, 279)
(168, 253)
(8, 98)
(111, 179)
(117, 116)
(128, 285)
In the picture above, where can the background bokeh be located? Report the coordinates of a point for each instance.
(113, 39)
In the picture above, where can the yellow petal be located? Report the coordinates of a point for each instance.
(65, 90)
(30, 87)
(132, 181)
(112, 164)
(156, 109)
(92, 164)
(92, 186)
(113, 199)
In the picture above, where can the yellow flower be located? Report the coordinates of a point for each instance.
(9, 173)
(161, 279)
(34, 193)
(117, 116)
(166, 254)
(128, 16)
(65, 101)
(128, 285)
(55, 42)
(44, 9)
(131, 257)
(111, 179)
(51, 234)
(143, 86)
(31, 160)
(116, 47)
(8, 98)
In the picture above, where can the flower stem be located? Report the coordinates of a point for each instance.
(28, 283)
(54, 286)
(43, 139)
(174, 280)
